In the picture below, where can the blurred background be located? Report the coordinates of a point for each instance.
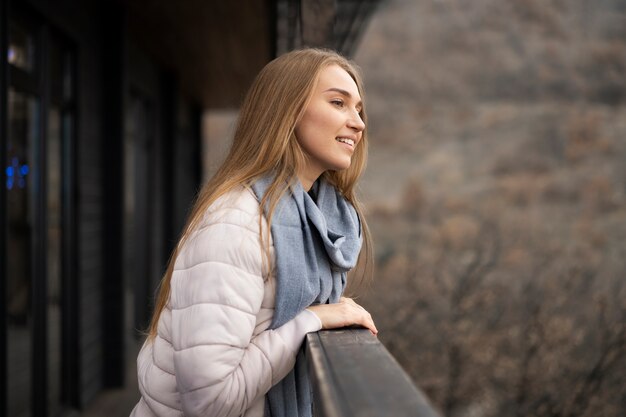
(496, 192)
(496, 187)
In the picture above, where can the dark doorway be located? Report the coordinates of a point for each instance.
(39, 201)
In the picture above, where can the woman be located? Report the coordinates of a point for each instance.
(264, 255)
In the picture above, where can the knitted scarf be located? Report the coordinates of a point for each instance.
(317, 240)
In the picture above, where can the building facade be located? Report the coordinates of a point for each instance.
(100, 139)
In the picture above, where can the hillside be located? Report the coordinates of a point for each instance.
(450, 79)
(496, 192)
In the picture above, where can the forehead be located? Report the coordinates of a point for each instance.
(333, 76)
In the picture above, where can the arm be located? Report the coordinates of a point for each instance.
(217, 289)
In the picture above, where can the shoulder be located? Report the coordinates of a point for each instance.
(240, 197)
(238, 207)
(228, 233)
(221, 261)
(240, 200)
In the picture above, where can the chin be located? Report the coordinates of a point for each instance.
(341, 166)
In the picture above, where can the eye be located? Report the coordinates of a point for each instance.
(337, 102)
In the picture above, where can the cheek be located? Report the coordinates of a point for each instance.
(306, 129)
(316, 124)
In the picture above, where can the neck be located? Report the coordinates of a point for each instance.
(307, 179)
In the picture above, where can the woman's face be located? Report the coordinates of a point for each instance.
(331, 127)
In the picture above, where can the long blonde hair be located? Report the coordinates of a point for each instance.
(265, 142)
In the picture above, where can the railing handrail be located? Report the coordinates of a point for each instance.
(354, 375)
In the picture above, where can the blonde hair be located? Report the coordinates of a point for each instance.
(265, 142)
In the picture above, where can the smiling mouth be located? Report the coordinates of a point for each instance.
(346, 141)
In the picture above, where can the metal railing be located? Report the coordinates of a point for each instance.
(354, 375)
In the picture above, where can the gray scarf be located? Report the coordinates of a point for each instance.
(317, 239)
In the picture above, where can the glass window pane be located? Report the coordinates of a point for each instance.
(58, 142)
(21, 51)
(68, 77)
(129, 242)
(55, 65)
(60, 71)
(138, 215)
(54, 251)
(23, 119)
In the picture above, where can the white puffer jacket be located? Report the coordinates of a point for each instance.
(214, 354)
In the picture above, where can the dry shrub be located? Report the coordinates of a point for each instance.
(584, 137)
(521, 189)
(413, 198)
(561, 191)
(598, 194)
(458, 231)
(524, 162)
(497, 315)
(515, 257)
(381, 211)
(586, 231)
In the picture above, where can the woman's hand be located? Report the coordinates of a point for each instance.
(344, 313)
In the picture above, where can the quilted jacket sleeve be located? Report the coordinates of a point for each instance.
(217, 289)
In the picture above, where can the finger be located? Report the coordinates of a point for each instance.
(371, 327)
(368, 322)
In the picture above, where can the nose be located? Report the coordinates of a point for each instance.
(356, 123)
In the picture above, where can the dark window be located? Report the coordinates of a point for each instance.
(40, 132)
(23, 119)
(60, 130)
(22, 52)
(138, 183)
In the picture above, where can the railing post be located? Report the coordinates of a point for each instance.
(353, 374)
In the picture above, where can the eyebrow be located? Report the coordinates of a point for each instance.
(343, 92)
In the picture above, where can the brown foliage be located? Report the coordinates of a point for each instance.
(493, 318)
(501, 263)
